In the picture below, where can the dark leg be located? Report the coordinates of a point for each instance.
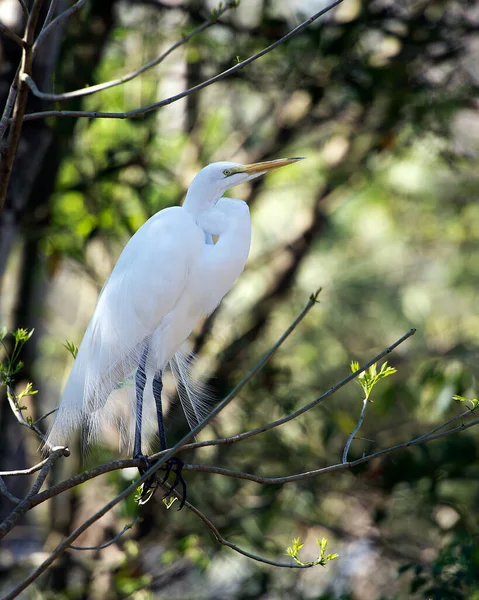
(140, 381)
(175, 464)
(157, 388)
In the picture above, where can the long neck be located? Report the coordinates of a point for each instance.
(230, 221)
(199, 200)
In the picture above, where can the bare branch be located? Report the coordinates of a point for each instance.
(337, 467)
(6, 526)
(224, 542)
(24, 504)
(50, 412)
(112, 541)
(145, 109)
(7, 111)
(46, 31)
(4, 491)
(129, 76)
(21, 102)
(24, 8)
(356, 429)
(28, 471)
(50, 13)
(10, 34)
(332, 390)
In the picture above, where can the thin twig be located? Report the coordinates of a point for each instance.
(145, 109)
(50, 13)
(25, 505)
(24, 8)
(10, 34)
(356, 429)
(4, 491)
(54, 24)
(332, 390)
(329, 469)
(50, 412)
(17, 411)
(129, 76)
(112, 541)
(224, 542)
(26, 471)
(466, 413)
(154, 468)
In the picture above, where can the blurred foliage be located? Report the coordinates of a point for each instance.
(383, 215)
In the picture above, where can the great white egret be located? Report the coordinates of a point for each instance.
(169, 275)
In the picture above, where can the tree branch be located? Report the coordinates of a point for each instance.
(329, 469)
(112, 541)
(6, 526)
(10, 34)
(21, 102)
(145, 109)
(46, 31)
(4, 491)
(356, 429)
(224, 542)
(129, 76)
(332, 390)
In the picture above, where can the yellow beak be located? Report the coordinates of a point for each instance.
(268, 165)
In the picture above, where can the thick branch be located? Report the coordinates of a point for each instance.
(21, 102)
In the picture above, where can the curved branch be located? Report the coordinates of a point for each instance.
(224, 542)
(155, 467)
(4, 492)
(332, 390)
(54, 24)
(145, 109)
(337, 467)
(112, 541)
(10, 34)
(129, 76)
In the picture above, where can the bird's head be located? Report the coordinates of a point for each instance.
(212, 181)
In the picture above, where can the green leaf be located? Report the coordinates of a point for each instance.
(72, 349)
(322, 560)
(370, 377)
(474, 401)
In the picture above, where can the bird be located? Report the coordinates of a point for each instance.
(173, 271)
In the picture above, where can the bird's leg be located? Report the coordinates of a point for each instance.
(175, 464)
(140, 381)
(157, 389)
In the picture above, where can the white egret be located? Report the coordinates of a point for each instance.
(169, 275)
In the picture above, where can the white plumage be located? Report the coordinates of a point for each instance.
(168, 276)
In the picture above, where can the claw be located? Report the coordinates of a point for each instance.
(149, 483)
(175, 465)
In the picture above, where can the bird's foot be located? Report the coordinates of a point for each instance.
(149, 486)
(175, 465)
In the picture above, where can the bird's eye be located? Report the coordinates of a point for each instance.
(227, 172)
